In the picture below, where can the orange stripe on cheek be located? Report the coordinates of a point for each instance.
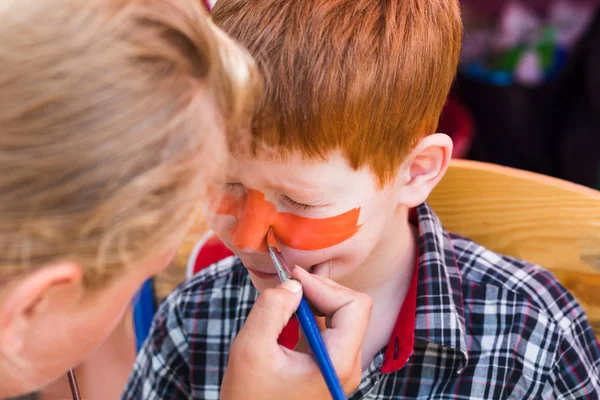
(315, 234)
(255, 215)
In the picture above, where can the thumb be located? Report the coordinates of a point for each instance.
(349, 313)
(271, 313)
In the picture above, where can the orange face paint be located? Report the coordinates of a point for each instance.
(255, 215)
(271, 241)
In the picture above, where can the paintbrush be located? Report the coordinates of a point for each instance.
(308, 324)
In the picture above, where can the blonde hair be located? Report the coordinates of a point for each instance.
(112, 115)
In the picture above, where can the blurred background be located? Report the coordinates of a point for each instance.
(527, 96)
(527, 93)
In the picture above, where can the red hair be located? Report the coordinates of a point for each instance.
(369, 77)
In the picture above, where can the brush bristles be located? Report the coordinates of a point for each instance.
(271, 241)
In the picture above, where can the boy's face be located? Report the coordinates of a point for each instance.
(324, 214)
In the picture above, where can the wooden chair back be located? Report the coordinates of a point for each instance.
(537, 218)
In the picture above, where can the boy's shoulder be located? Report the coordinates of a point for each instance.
(217, 275)
(214, 293)
(215, 280)
(527, 285)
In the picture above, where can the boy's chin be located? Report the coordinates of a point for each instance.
(261, 283)
(264, 284)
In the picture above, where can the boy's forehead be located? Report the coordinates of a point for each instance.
(274, 161)
(332, 173)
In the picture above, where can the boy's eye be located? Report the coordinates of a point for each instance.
(295, 204)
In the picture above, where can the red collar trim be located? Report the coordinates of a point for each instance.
(400, 346)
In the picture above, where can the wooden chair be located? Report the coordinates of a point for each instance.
(534, 217)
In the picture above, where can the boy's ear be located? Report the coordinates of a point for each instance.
(424, 168)
(21, 302)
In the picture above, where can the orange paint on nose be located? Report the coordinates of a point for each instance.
(271, 241)
(255, 215)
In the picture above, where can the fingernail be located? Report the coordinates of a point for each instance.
(292, 285)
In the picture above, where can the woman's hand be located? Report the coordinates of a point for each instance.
(260, 368)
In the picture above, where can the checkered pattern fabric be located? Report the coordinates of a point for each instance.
(487, 327)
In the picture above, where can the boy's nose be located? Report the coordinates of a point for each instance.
(253, 223)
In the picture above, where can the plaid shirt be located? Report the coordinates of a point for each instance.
(486, 326)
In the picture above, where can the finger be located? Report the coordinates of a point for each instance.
(349, 313)
(322, 270)
(328, 282)
(271, 312)
(323, 279)
(327, 295)
(349, 310)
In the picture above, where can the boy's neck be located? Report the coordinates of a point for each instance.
(394, 260)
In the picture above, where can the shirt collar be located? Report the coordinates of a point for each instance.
(433, 307)
(439, 303)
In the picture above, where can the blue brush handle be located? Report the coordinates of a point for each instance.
(313, 336)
